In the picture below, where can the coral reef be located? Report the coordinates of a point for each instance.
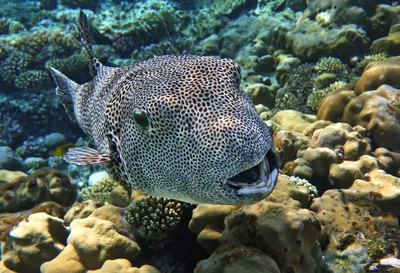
(10, 220)
(106, 190)
(153, 218)
(378, 73)
(335, 205)
(277, 229)
(323, 151)
(86, 237)
(356, 232)
(45, 235)
(44, 185)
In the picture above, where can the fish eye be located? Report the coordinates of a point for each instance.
(141, 118)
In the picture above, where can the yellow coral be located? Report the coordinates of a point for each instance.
(316, 97)
(330, 65)
(368, 59)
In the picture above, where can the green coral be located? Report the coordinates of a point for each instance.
(153, 218)
(56, 40)
(300, 83)
(24, 57)
(71, 64)
(31, 80)
(100, 191)
(315, 98)
(330, 65)
(8, 26)
(368, 59)
(16, 63)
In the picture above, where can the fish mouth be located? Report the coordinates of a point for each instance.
(261, 178)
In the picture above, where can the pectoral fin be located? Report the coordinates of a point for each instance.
(85, 156)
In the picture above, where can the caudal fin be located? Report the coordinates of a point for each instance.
(66, 90)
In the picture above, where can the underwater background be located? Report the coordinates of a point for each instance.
(323, 74)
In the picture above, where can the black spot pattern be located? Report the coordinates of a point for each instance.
(203, 128)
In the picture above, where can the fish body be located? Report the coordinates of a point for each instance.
(178, 127)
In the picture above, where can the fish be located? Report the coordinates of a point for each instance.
(62, 149)
(172, 126)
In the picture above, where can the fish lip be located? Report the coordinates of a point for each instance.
(267, 169)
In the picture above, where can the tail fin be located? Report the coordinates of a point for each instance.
(83, 28)
(66, 90)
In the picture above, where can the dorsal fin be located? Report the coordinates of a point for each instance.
(66, 91)
(83, 28)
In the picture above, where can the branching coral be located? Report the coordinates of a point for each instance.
(8, 26)
(330, 65)
(100, 191)
(300, 83)
(154, 217)
(71, 64)
(368, 59)
(304, 183)
(316, 97)
(16, 63)
(31, 80)
(25, 55)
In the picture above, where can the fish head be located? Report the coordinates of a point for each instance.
(188, 131)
